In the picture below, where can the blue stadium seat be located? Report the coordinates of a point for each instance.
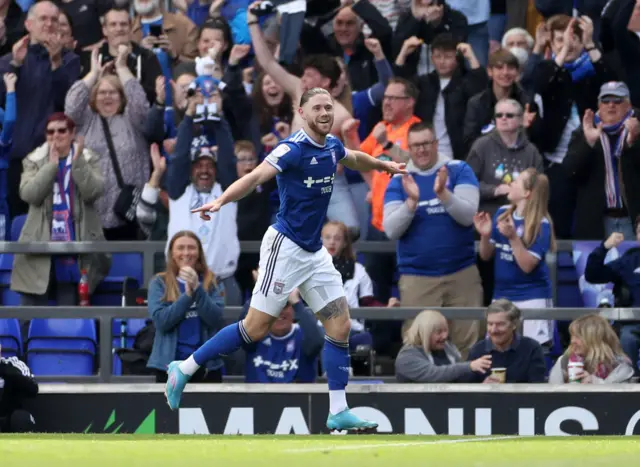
(62, 347)
(124, 267)
(16, 227)
(124, 340)
(8, 296)
(10, 337)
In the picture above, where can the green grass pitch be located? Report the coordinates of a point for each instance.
(315, 451)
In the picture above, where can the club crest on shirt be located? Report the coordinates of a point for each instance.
(520, 231)
(278, 287)
(333, 156)
(291, 345)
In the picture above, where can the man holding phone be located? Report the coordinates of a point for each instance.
(162, 31)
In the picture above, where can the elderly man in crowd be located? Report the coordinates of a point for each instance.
(430, 212)
(517, 358)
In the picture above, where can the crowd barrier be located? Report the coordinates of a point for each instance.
(431, 409)
(105, 315)
(150, 249)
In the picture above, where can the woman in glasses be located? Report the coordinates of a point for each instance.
(497, 159)
(518, 240)
(61, 180)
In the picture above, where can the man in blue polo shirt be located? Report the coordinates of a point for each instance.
(430, 212)
(522, 357)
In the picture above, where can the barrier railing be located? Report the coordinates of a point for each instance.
(105, 315)
(150, 249)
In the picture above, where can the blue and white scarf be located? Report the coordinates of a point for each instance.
(612, 182)
(580, 68)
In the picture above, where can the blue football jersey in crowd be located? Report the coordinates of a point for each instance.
(280, 360)
(189, 330)
(305, 183)
(511, 282)
(434, 244)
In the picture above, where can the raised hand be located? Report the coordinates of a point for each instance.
(238, 53)
(205, 209)
(410, 187)
(373, 45)
(148, 42)
(10, 80)
(411, 45)
(528, 117)
(591, 132)
(507, 228)
(481, 365)
(633, 127)
(482, 223)
(349, 127)
(379, 132)
(614, 240)
(159, 162)
(79, 149)
(502, 190)
(434, 14)
(121, 58)
(586, 24)
(269, 140)
(440, 183)
(283, 129)
(161, 90)
(19, 50)
(214, 9)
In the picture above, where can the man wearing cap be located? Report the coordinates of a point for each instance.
(603, 161)
(197, 174)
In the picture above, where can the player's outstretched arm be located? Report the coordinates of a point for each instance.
(357, 160)
(239, 189)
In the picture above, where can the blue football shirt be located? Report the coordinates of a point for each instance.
(305, 183)
(511, 282)
(434, 244)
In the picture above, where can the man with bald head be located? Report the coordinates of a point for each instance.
(45, 72)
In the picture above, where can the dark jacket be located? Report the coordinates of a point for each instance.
(18, 385)
(548, 8)
(488, 154)
(452, 22)
(623, 44)
(621, 271)
(40, 91)
(559, 92)
(586, 165)
(142, 63)
(524, 360)
(361, 64)
(463, 86)
(14, 24)
(481, 107)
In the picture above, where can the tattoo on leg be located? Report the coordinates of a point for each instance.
(334, 309)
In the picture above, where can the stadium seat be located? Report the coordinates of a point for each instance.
(125, 267)
(8, 296)
(10, 337)
(124, 338)
(57, 347)
(16, 227)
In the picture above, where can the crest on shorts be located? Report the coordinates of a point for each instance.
(278, 287)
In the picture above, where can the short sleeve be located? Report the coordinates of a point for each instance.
(365, 285)
(542, 242)
(284, 156)
(464, 174)
(341, 151)
(395, 192)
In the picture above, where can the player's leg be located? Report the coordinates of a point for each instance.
(324, 294)
(264, 309)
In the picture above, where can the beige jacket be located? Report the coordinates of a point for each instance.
(31, 272)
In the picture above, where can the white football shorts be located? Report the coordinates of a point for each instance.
(285, 266)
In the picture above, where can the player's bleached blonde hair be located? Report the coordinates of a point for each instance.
(313, 92)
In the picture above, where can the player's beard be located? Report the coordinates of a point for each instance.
(322, 129)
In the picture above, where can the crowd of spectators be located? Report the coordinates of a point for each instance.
(516, 119)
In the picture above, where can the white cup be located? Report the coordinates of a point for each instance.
(574, 369)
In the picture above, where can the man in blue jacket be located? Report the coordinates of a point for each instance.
(45, 73)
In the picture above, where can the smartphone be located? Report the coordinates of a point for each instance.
(156, 30)
(264, 9)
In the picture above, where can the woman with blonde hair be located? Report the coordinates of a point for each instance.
(186, 306)
(427, 356)
(594, 345)
(523, 233)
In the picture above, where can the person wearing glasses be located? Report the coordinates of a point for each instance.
(61, 181)
(430, 213)
(497, 159)
(602, 160)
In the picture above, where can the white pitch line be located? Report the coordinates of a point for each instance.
(351, 447)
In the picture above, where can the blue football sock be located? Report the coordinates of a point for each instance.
(336, 362)
(226, 341)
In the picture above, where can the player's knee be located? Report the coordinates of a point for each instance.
(257, 324)
(338, 328)
(21, 421)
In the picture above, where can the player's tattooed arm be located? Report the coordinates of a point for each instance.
(334, 309)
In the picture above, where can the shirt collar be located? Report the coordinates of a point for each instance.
(489, 347)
